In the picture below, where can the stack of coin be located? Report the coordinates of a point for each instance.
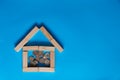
(39, 57)
(46, 55)
(33, 61)
(47, 62)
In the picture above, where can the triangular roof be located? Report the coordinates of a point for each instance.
(32, 33)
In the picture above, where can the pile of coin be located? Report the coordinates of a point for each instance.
(39, 57)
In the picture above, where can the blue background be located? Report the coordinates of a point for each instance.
(89, 31)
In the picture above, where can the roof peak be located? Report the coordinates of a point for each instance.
(33, 32)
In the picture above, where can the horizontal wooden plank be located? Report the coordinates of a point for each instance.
(51, 48)
(46, 69)
(31, 69)
(30, 48)
(38, 69)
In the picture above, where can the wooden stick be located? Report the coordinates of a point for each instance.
(51, 48)
(52, 59)
(51, 39)
(54, 42)
(25, 60)
(46, 33)
(34, 69)
(26, 39)
(38, 69)
(25, 48)
(44, 69)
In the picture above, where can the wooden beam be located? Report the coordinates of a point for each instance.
(34, 69)
(44, 69)
(26, 48)
(38, 69)
(25, 59)
(51, 48)
(54, 42)
(46, 33)
(51, 39)
(26, 39)
(52, 59)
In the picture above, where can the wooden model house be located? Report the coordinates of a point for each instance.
(43, 59)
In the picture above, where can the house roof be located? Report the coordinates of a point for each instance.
(32, 33)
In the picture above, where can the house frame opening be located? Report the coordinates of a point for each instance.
(26, 68)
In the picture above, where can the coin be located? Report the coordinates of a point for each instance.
(41, 60)
(35, 61)
(41, 54)
(47, 55)
(36, 53)
(31, 58)
(47, 62)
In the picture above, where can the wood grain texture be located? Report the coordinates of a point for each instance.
(51, 48)
(46, 33)
(36, 69)
(51, 39)
(26, 39)
(54, 42)
(52, 59)
(25, 60)
(44, 69)
(25, 48)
